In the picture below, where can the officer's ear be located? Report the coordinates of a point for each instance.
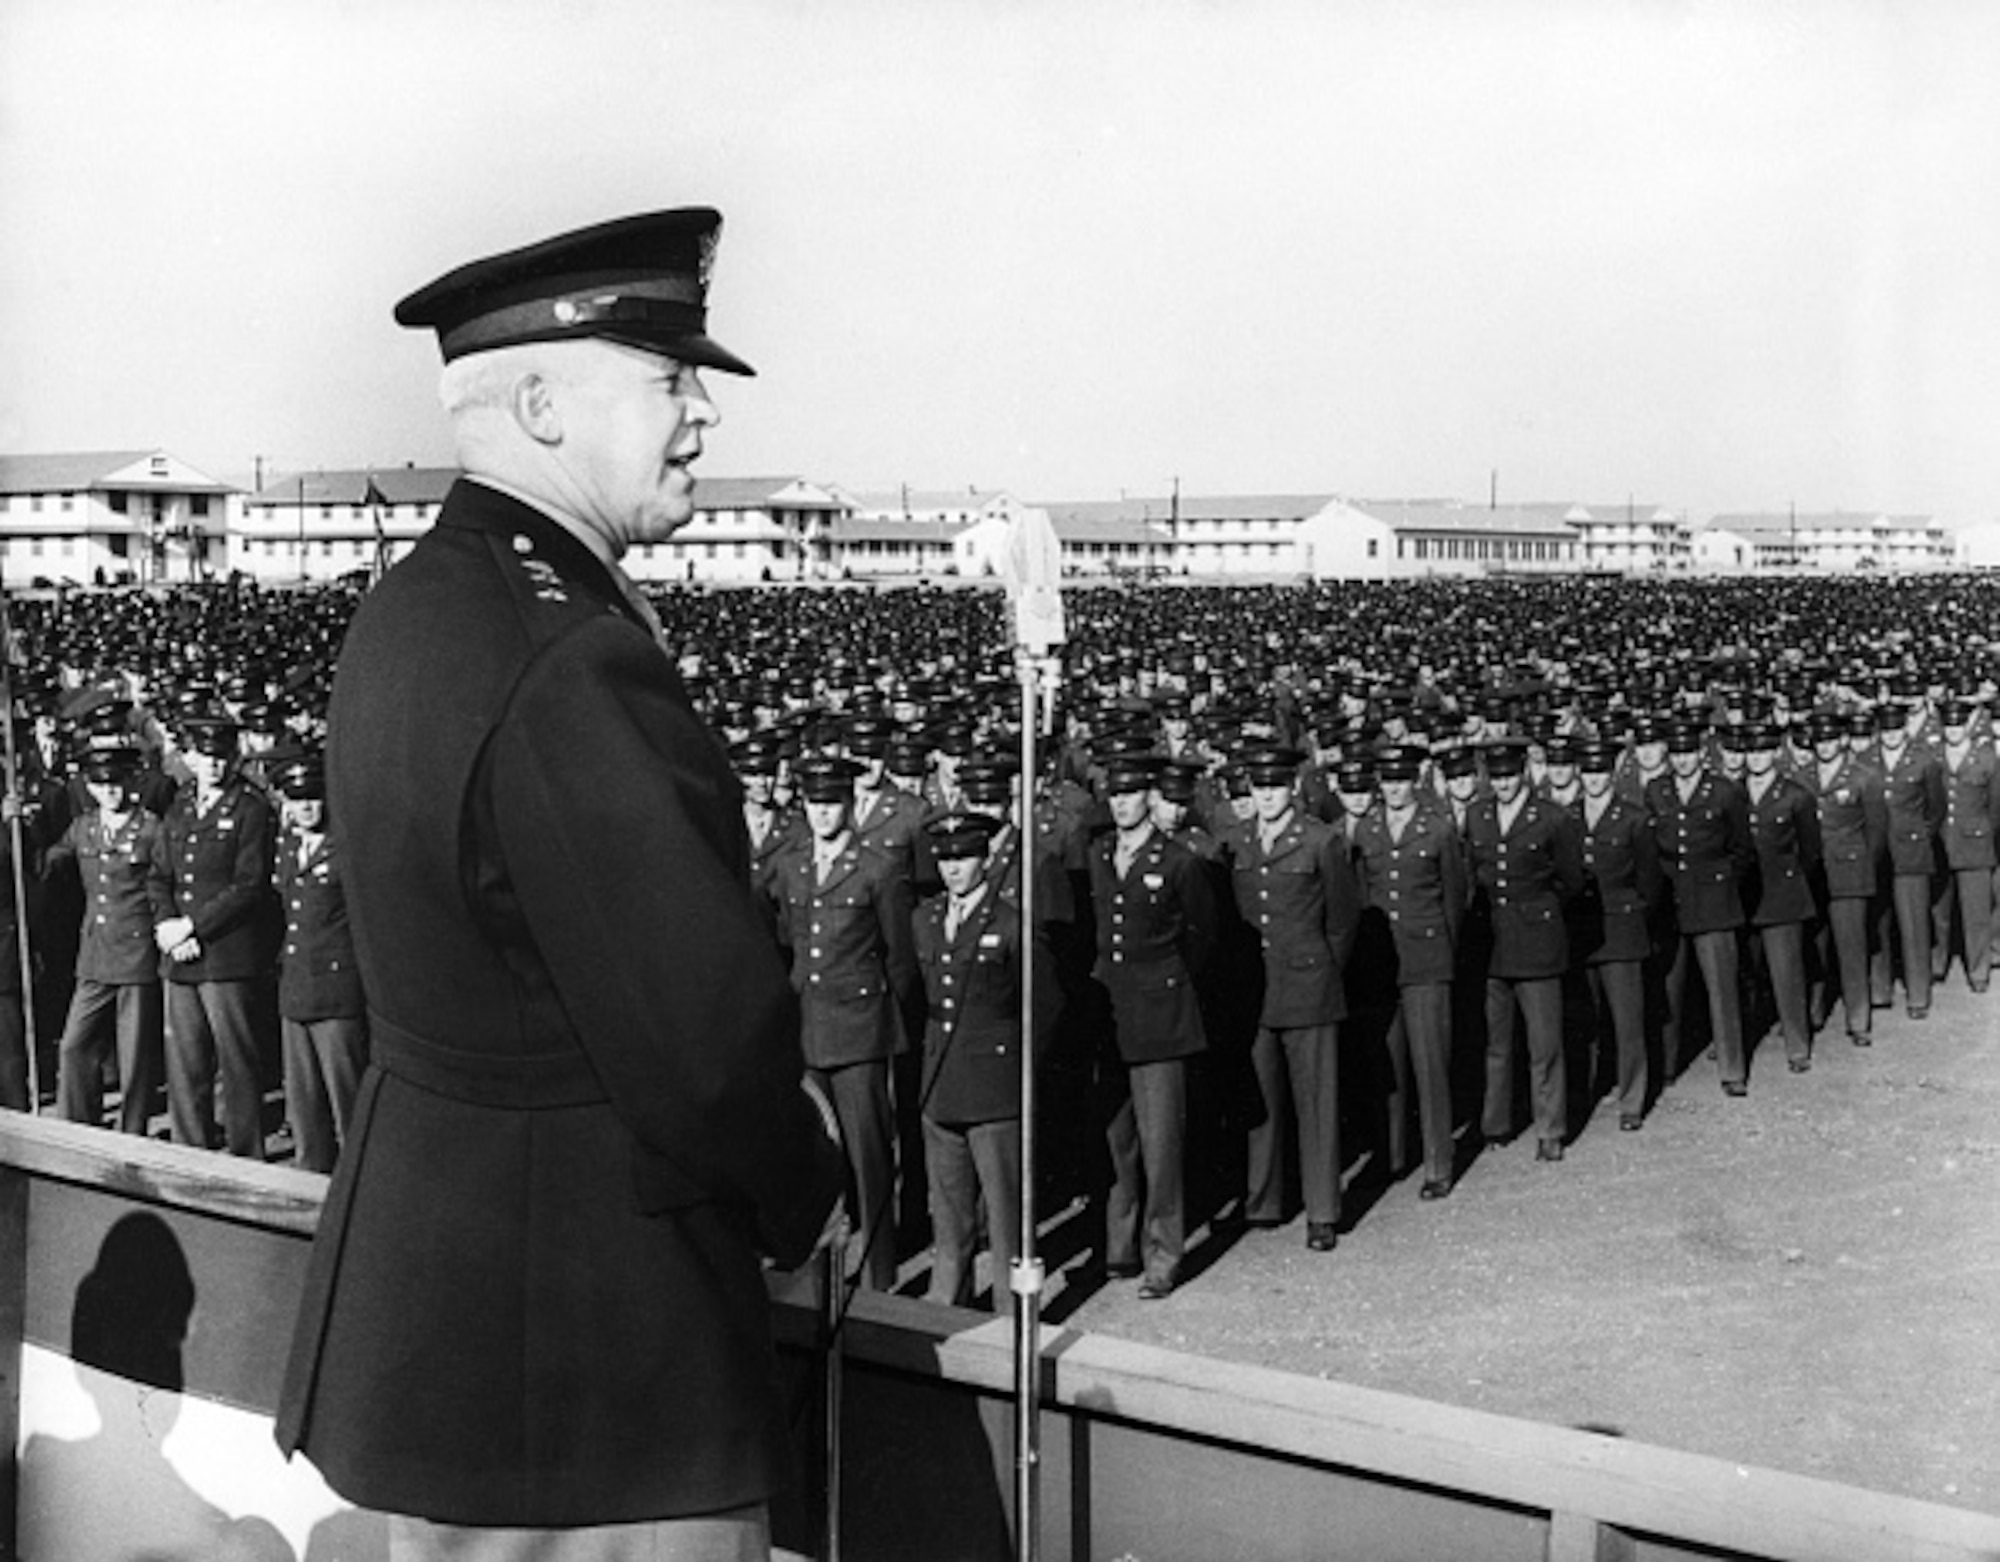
(533, 403)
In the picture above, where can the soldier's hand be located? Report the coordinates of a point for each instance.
(173, 932)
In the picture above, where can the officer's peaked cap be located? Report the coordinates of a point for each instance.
(641, 281)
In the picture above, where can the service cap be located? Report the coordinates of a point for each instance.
(641, 281)
(826, 778)
(961, 834)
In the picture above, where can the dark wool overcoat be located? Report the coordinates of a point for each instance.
(535, 1297)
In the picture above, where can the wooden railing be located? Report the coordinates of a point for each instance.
(1147, 1453)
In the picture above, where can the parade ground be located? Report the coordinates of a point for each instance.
(1805, 1279)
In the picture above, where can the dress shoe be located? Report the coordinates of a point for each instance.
(1630, 1122)
(1735, 1087)
(1798, 1065)
(1978, 987)
(1121, 1271)
(1321, 1235)
(1153, 1288)
(1548, 1150)
(1861, 1038)
(1439, 1188)
(1262, 1222)
(1920, 1011)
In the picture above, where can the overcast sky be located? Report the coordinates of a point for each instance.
(1718, 256)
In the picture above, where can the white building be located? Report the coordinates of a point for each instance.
(110, 516)
(1450, 537)
(321, 525)
(1628, 538)
(1836, 542)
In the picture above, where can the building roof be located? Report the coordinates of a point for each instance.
(1784, 525)
(913, 502)
(429, 485)
(1447, 515)
(84, 471)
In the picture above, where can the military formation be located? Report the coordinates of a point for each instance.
(1309, 884)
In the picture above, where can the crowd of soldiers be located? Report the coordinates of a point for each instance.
(1309, 883)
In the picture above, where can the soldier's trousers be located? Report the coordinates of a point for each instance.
(1843, 942)
(1784, 946)
(323, 1064)
(1145, 1217)
(1907, 920)
(1619, 986)
(1540, 1000)
(1298, 1070)
(132, 1012)
(973, 1164)
(1715, 953)
(860, 1096)
(209, 1032)
(1965, 903)
(1419, 1043)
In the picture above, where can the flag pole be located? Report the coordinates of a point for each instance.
(19, 887)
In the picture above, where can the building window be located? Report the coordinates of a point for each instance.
(326, 548)
(1373, 543)
(69, 501)
(35, 503)
(35, 546)
(116, 502)
(198, 504)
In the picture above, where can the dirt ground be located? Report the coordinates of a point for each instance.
(1806, 1278)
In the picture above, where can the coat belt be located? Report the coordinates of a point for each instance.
(525, 1081)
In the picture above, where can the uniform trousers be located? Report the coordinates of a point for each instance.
(209, 1030)
(1619, 987)
(970, 1164)
(1298, 1070)
(1965, 906)
(1715, 953)
(1843, 943)
(131, 1013)
(323, 1064)
(13, 1054)
(860, 1096)
(1540, 1002)
(1419, 1042)
(1909, 911)
(1784, 946)
(1144, 1215)
(738, 1535)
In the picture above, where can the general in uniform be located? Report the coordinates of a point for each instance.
(536, 1297)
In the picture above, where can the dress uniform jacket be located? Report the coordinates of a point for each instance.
(972, 1038)
(1156, 928)
(1613, 918)
(1971, 810)
(892, 822)
(535, 1295)
(318, 978)
(1705, 850)
(1853, 828)
(216, 868)
(1304, 903)
(1419, 884)
(853, 965)
(1055, 900)
(1784, 822)
(1913, 794)
(116, 945)
(1527, 873)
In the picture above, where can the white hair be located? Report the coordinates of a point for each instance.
(487, 379)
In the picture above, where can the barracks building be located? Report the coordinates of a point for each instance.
(147, 517)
